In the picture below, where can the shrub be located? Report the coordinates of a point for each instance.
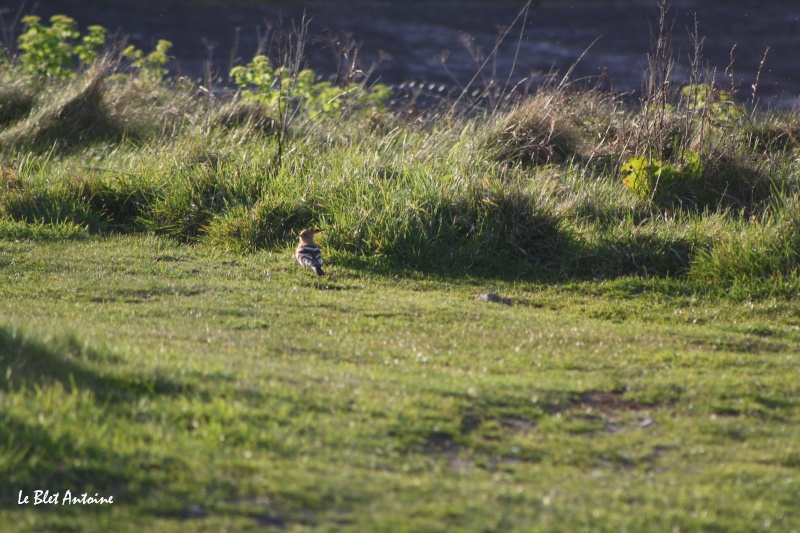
(57, 50)
(151, 67)
(301, 91)
(713, 105)
(60, 51)
(705, 151)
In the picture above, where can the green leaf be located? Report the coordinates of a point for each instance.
(637, 179)
(692, 170)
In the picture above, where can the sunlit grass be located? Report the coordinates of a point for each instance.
(534, 190)
(159, 345)
(205, 389)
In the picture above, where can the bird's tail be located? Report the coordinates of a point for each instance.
(318, 270)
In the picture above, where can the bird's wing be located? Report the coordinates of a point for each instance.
(309, 256)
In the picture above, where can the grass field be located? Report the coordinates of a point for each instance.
(207, 391)
(161, 352)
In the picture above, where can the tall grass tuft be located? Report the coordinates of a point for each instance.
(462, 227)
(69, 118)
(655, 246)
(93, 107)
(271, 222)
(39, 202)
(17, 99)
(753, 260)
(242, 118)
(536, 131)
(13, 230)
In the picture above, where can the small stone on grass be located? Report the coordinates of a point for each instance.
(491, 297)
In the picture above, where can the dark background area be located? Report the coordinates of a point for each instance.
(431, 40)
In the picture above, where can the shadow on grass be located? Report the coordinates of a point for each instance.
(502, 270)
(634, 254)
(28, 363)
(647, 256)
(58, 465)
(478, 432)
(39, 459)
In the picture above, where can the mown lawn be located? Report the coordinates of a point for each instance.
(210, 391)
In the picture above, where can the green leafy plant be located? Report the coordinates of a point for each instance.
(152, 67)
(645, 176)
(59, 49)
(91, 44)
(273, 86)
(715, 105)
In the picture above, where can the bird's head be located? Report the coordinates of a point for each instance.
(308, 234)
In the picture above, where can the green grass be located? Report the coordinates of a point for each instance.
(158, 345)
(207, 390)
(534, 190)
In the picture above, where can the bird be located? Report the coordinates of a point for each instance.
(307, 253)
